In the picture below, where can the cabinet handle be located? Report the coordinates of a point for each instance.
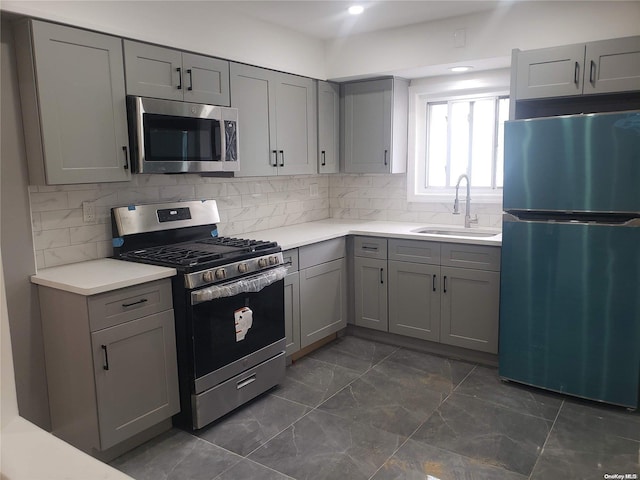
(444, 284)
(382, 276)
(282, 157)
(190, 87)
(592, 72)
(576, 71)
(179, 70)
(434, 283)
(386, 154)
(142, 300)
(106, 357)
(275, 158)
(126, 157)
(367, 247)
(324, 159)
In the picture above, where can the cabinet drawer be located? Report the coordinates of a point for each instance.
(370, 247)
(321, 252)
(417, 251)
(112, 308)
(290, 258)
(478, 257)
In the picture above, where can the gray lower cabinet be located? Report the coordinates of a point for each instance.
(445, 292)
(291, 301)
(370, 282)
(328, 127)
(72, 90)
(160, 72)
(606, 66)
(323, 290)
(470, 301)
(277, 123)
(111, 363)
(414, 300)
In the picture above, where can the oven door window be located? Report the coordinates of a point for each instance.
(227, 329)
(181, 139)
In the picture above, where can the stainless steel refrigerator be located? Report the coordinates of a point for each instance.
(570, 275)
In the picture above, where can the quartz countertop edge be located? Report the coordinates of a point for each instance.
(298, 235)
(99, 276)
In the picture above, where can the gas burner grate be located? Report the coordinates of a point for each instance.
(172, 255)
(240, 243)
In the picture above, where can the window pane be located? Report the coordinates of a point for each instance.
(503, 114)
(482, 148)
(437, 145)
(459, 140)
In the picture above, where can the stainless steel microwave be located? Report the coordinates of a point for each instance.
(180, 137)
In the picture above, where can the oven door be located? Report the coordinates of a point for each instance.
(236, 326)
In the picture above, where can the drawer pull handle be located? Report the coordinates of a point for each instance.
(142, 300)
(373, 249)
(106, 357)
(246, 381)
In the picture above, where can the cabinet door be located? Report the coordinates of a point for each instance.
(292, 312)
(205, 80)
(323, 303)
(296, 125)
(328, 127)
(550, 72)
(253, 94)
(83, 121)
(613, 66)
(366, 120)
(371, 293)
(153, 71)
(414, 300)
(136, 376)
(470, 300)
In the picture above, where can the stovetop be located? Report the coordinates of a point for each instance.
(201, 254)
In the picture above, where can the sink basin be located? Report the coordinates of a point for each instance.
(456, 233)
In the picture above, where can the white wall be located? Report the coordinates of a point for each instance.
(207, 27)
(489, 36)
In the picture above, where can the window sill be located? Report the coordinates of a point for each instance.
(449, 196)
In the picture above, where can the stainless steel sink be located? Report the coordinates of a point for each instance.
(467, 232)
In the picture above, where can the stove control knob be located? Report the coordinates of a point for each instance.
(262, 262)
(273, 260)
(208, 276)
(243, 268)
(221, 273)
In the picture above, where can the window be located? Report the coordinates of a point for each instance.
(465, 136)
(456, 127)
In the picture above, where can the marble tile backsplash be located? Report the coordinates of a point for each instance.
(384, 197)
(245, 204)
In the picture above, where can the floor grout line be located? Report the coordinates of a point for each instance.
(533, 469)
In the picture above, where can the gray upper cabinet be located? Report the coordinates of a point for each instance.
(328, 127)
(607, 66)
(373, 119)
(73, 104)
(160, 72)
(277, 121)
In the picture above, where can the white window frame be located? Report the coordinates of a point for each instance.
(441, 89)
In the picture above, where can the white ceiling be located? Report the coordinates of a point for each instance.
(328, 19)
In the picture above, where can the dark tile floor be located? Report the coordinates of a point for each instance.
(357, 409)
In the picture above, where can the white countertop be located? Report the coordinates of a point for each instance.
(306, 233)
(98, 276)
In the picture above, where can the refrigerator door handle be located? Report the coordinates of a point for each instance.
(574, 220)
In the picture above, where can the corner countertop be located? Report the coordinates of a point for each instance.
(306, 233)
(98, 276)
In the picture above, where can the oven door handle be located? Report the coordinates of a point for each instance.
(251, 284)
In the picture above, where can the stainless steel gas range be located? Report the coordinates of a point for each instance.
(228, 299)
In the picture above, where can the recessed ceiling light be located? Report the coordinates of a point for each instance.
(356, 9)
(461, 68)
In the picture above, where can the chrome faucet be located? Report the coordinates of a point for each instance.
(456, 203)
